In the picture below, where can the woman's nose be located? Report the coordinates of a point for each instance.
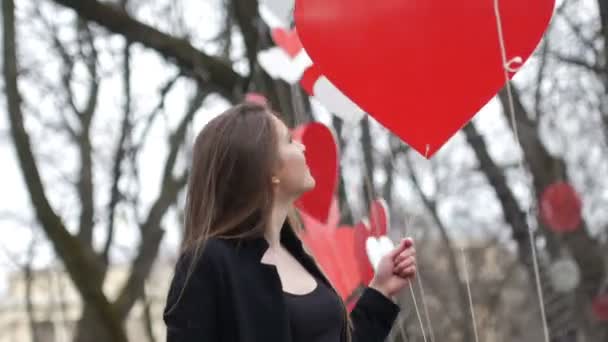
(303, 147)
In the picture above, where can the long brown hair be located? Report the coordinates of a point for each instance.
(230, 193)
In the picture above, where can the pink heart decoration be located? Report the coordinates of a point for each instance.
(421, 68)
(288, 40)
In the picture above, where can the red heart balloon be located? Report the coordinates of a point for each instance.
(288, 40)
(421, 68)
(322, 158)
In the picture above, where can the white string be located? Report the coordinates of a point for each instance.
(417, 311)
(508, 67)
(424, 306)
(468, 282)
(407, 224)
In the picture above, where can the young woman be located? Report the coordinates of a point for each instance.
(243, 274)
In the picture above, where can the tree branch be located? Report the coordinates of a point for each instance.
(214, 73)
(151, 230)
(119, 156)
(546, 170)
(80, 262)
(85, 149)
(431, 206)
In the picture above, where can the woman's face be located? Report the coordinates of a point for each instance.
(292, 177)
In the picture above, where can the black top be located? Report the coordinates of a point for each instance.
(316, 316)
(233, 297)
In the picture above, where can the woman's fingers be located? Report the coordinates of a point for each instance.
(410, 252)
(408, 272)
(405, 264)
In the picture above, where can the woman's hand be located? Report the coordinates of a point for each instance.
(396, 269)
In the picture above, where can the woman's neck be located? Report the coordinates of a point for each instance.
(277, 219)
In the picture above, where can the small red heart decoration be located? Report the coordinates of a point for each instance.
(421, 68)
(561, 207)
(288, 40)
(322, 158)
(310, 76)
(375, 226)
(600, 307)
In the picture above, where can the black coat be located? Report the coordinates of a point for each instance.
(233, 297)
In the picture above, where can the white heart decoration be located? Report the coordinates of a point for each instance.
(277, 63)
(565, 275)
(336, 102)
(276, 13)
(376, 248)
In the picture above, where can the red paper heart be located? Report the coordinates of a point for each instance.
(288, 40)
(376, 225)
(561, 207)
(322, 158)
(309, 78)
(333, 249)
(600, 307)
(421, 68)
(365, 267)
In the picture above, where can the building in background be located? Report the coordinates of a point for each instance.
(55, 307)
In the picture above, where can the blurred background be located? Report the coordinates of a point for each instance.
(101, 101)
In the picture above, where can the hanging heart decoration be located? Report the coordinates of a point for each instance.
(561, 207)
(333, 248)
(323, 161)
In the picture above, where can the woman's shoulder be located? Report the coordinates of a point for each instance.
(212, 251)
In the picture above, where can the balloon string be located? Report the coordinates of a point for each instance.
(508, 67)
(424, 306)
(468, 283)
(411, 286)
(417, 311)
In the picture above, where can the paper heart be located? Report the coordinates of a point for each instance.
(376, 248)
(279, 65)
(333, 249)
(421, 68)
(561, 207)
(309, 77)
(288, 40)
(565, 275)
(600, 307)
(376, 225)
(322, 159)
(379, 217)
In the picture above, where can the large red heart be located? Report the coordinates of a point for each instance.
(421, 68)
(322, 158)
